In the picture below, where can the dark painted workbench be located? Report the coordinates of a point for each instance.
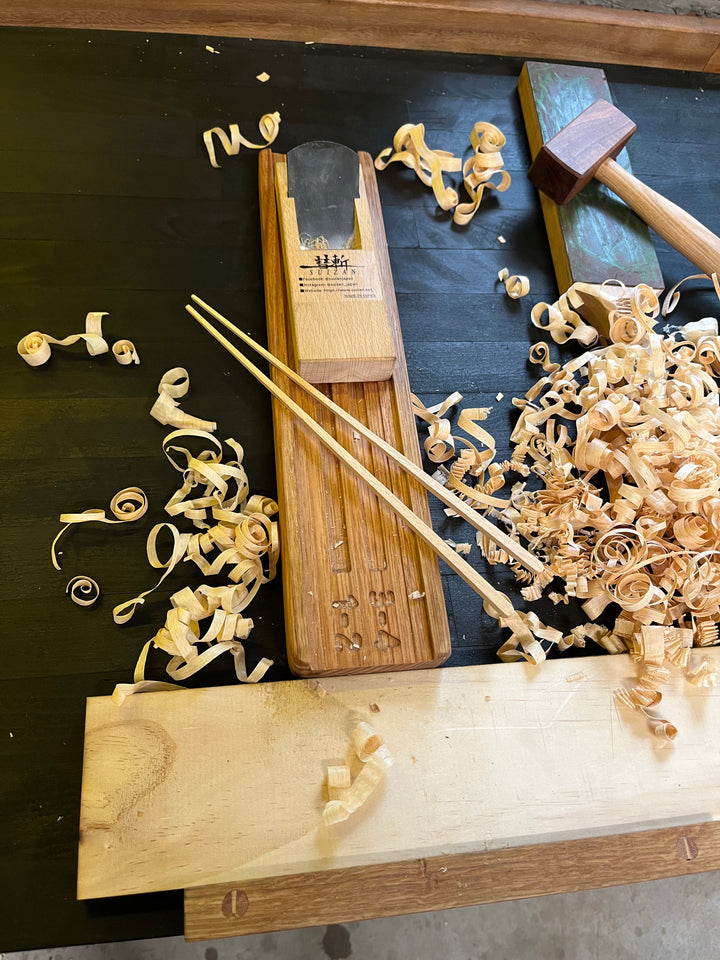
(108, 202)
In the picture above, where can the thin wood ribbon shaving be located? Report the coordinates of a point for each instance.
(84, 591)
(123, 612)
(439, 444)
(245, 538)
(128, 504)
(166, 410)
(540, 353)
(269, 126)
(125, 353)
(487, 142)
(516, 286)
(338, 781)
(35, 348)
(376, 760)
(672, 297)
(409, 148)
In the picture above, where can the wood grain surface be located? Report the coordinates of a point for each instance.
(340, 327)
(441, 883)
(485, 757)
(551, 31)
(108, 202)
(350, 566)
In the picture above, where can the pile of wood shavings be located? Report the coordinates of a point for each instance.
(625, 440)
(487, 140)
(237, 534)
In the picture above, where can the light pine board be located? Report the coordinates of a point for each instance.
(226, 784)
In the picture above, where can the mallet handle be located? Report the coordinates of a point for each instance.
(673, 224)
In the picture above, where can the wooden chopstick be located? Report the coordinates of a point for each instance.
(475, 519)
(500, 605)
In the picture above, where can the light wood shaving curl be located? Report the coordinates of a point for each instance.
(125, 353)
(269, 125)
(672, 297)
(704, 675)
(166, 409)
(35, 348)
(376, 760)
(487, 142)
(410, 149)
(84, 591)
(516, 286)
(127, 505)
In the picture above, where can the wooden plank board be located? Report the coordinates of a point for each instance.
(553, 31)
(595, 236)
(349, 565)
(226, 784)
(442, 883)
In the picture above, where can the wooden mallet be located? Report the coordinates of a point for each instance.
(586, 148)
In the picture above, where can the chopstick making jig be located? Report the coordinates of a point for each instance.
(501, 604)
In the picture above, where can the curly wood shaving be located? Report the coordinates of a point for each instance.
(540, 353)
(662, 729)
(125, 353)
(35, 348)
(338, 781)
(376, 759)
(139, 684)
(439, 444)
(625, 440)
(462, 548)
(83, 591)
(269, 125)
(365, 740)
(516, 286)
(704, 675)
(123, 612)
(244, 537)
(562, 323)
(672, 297)
(487, 142)
(706, 632)
(409, 148)
(166, 410)
(127, 505)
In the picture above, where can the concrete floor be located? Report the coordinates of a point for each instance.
(702, 8)
(677, 918)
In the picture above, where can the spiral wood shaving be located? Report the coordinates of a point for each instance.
(35, 348)
(268, 124)
(410, 149)
(237, 537)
